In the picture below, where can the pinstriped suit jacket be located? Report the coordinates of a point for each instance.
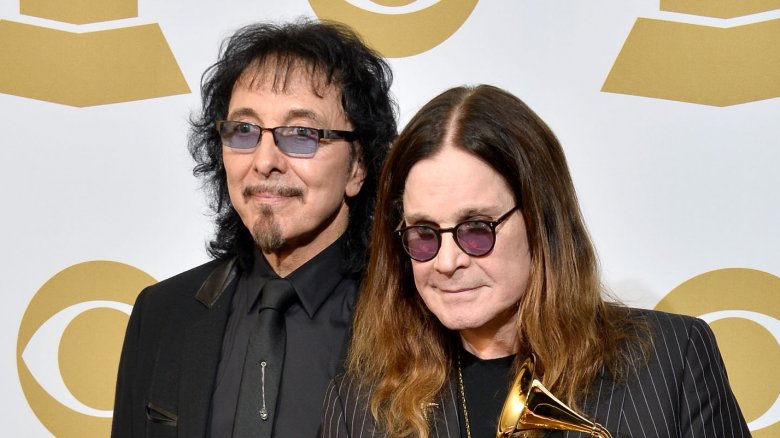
(682, 391)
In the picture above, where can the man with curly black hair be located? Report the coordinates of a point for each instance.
(296, 121)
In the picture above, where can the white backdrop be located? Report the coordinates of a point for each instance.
(671, 190)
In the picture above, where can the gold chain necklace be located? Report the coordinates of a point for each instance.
(463, 398)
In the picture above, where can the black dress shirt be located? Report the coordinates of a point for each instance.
(317, 326)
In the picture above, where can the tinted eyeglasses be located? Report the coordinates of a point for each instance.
(474, 237)
(295, 141)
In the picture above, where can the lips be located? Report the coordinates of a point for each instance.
(267, 197)
(457, 289)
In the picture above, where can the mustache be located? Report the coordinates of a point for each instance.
(287, 191)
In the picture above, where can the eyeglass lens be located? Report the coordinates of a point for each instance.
(296, 141)
(475, 238)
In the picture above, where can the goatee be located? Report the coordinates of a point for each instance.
(266, 231)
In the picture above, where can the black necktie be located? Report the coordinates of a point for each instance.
(262, 374)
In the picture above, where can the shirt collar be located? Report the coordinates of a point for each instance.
(313, 281)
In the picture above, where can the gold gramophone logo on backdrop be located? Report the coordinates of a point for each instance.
(69, 343)
(398, 28)
(743, 308)
(718, 66)
(89, 68)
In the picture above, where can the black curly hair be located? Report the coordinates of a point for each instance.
(331, 50)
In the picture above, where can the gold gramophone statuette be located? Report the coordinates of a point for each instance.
(529, 405)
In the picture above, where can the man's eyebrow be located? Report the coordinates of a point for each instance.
(303, 113)
(293, 114)
(462, 214)
(243, 112)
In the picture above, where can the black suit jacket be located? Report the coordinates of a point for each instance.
(683, 391)
(170, 355)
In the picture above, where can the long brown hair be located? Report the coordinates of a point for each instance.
(402, 350)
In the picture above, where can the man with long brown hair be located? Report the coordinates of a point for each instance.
(479, 259)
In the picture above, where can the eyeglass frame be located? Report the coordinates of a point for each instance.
(492, 225)
(328, 134)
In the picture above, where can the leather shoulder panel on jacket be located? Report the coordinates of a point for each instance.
(217, 282)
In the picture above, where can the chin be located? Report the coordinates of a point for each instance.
(456, 323)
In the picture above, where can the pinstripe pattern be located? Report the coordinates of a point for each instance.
(682, 391)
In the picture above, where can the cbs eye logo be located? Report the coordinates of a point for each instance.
(743, 308)
(69, 343)
(398, 28)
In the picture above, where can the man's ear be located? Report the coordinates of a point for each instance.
(357, 174)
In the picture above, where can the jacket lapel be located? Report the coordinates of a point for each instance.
(606, 405)
(188, 359)
(446, 421)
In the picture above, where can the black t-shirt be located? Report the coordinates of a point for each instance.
(486, 384)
